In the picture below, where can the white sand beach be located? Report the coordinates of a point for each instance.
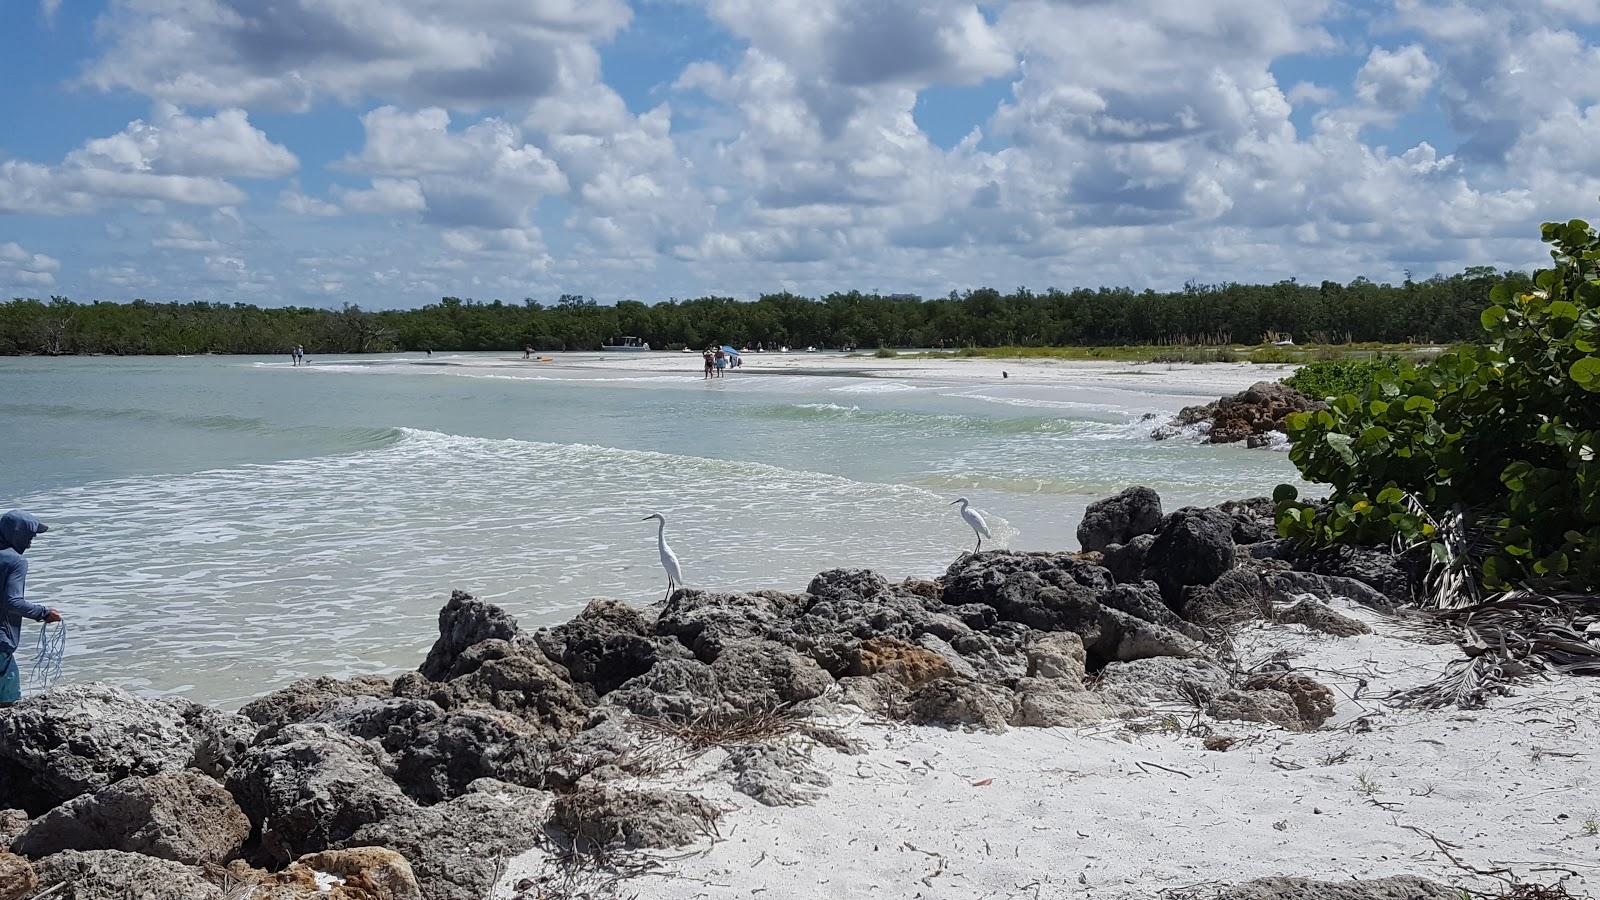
(1214, 378)
(1140, 809)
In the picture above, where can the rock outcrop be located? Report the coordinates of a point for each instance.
(117, 875)
(185, 817)
(1251, 415)
(1119, 519)
(81, 738)
(606, 816)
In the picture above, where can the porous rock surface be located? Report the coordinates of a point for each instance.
(185, 816)
(118, 875)
(1120, 518)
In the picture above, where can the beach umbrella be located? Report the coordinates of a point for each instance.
(729, 350)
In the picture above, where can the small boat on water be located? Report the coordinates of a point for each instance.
(627, 343)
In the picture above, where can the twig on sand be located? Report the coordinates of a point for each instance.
(1147, 766)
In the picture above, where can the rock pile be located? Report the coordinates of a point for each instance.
(1253, 415)
(504, 739)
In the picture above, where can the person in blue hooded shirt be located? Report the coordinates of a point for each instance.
(17, 529)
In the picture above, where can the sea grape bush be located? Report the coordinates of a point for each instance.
(1334, 378)
(1503, 432)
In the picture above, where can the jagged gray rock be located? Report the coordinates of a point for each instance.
(1057, 654)
(81, 738)
(454, 847)
(302, 700)
(1052, 702)
(186, 817)
(512, 677)
(960, 702)
(774, 775)
(1194, 546)
(1268, 706)
(1400, 887)
(1163, 680)
(604, 816)
(1319, 617)
(1059, 592)
(1125, 562)
(606, 644)
(464, 622)
(607, 744)
(12, 823)
(1120, 518)
(312, 786)
(116, 875)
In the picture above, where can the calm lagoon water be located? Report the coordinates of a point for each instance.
(223, 525)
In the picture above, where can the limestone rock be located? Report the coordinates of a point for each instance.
(1194, 546)
(80, 738)
(603, 816)
(1119, 519)
(605, 645)
(1058, 592)
(707, 622)
(182, 816)
(364, 873)
(466, 621)
(1318, 616)
(1268, 706)
(507, 676)
(673, 689)
(1400, 887)
(774, 775)
(1313, 700)
(1254, 519)
(759, 675)
(1163, 680)
(1377, 568)
(1051, 702)
(907, 663)
(607, 743)
(960, 702)
(303, 700)
(17, 878)
(12, 823)
(1057, 655)
(312, 787)
(1125, 562)
(453, 847)
(847, 584)
(117, 875)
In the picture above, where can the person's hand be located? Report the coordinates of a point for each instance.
(52, 616)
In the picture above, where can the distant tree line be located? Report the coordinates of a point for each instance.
(1441, 309)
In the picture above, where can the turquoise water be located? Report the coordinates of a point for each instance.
(226, 524)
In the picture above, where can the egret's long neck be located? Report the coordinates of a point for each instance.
(661, 532)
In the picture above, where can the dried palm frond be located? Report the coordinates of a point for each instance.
(1511, 636)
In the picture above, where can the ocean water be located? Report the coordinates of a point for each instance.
(223, 525)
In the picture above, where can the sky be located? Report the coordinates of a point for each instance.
(390, 152)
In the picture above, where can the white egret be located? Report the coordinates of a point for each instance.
(669, 560)
(975, 519)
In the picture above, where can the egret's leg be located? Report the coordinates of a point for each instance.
(980, 544)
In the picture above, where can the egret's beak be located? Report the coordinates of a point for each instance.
(647, 518)
(954, 502)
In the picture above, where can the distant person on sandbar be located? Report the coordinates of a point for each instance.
(527, 351)
(294, 355)
(722, 363)
(300, 351)
(427, 350)
(17, 529)
(707, 357)
(1004, 374)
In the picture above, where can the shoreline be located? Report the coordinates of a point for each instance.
(1184, 708)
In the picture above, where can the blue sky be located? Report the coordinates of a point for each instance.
(388, 152)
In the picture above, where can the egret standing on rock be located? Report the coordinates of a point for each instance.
(669, 560)
(975, 519)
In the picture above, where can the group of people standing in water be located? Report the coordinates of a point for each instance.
(718, 361)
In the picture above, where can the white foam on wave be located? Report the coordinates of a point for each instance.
(875, 387)
(1045, 403)
(239, 579)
